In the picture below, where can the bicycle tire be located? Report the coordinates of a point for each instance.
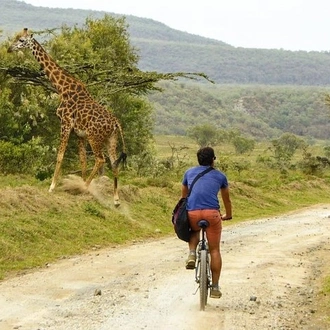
(203, 280)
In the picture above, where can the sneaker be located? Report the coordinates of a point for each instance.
(215, 292)
(190, 263)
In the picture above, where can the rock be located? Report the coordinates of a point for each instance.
(97, 292)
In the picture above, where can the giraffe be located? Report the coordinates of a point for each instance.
(80, 113)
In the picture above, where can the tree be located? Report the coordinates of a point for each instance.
(204, 135)
(286, 146)
(242, 144)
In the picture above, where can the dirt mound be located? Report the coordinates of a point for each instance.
(28, 199)
(101, 189)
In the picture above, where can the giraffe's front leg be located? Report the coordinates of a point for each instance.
(65, 133)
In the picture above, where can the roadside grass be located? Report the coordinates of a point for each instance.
(323, 301)
(37, 228)
(326, 292)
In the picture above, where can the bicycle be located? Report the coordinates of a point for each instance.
(202, 270)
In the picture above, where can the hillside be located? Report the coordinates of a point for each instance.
(167, 50)
(262, 112)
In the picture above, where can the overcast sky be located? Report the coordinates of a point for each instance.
(287, 24)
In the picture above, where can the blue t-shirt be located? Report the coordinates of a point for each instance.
(204, 194)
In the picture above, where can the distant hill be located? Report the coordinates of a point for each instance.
(168, 50)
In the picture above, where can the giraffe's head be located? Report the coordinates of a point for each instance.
(22, 40)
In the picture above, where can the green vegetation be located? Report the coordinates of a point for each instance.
(259, 111)
(324, 294)
(326, 290)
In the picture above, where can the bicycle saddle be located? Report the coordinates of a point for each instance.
(203, 223)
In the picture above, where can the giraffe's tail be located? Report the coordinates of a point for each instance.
(122, 158)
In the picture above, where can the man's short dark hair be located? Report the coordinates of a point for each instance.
(205, 156)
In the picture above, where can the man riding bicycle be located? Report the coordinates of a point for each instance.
(203, 203)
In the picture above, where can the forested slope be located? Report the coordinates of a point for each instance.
(260, 111)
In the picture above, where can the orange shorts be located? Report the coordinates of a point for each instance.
(213, 231)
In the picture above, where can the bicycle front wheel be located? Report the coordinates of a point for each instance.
(203, 280)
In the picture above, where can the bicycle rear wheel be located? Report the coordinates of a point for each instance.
(203, 280)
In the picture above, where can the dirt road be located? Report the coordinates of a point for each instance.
(145, 285)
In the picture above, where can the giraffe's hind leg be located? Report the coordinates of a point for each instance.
(112, 152)
(82, 157)
(99, 161)
(97, 148)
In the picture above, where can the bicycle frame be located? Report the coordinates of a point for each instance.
(203, 271)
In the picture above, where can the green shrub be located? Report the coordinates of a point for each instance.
(24, 158)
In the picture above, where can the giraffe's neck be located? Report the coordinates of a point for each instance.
(59, 78)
